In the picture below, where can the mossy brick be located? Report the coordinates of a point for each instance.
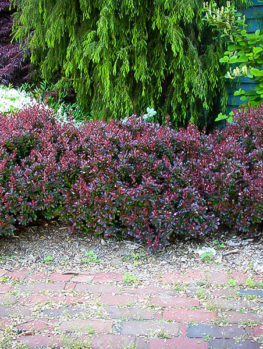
(232, 344)
(186, 315)
(39, 341)
(85, 326)
(237, 317)
(131, 313)
(5, 288)
(149, 327)
(96, 288)
(58, 312)
(177, 343)
(110, 341)
(184, 302)
(257, 293)
(202, 330)
(118, 299)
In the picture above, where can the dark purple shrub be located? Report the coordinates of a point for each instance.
(33, 172)
(14, 67)
(132, 179)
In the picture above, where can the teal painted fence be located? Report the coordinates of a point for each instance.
(254, 20)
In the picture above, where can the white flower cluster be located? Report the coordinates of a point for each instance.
(63, 118)
(12, 100)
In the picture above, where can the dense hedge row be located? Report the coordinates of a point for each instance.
(135, 178)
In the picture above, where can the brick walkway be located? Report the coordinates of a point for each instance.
(194, 310)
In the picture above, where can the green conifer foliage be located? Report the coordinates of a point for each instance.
(122, 56)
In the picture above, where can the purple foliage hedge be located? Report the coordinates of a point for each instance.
(134, 179)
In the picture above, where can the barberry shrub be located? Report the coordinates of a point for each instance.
(133, 178)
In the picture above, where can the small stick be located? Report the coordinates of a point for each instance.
(231, 252)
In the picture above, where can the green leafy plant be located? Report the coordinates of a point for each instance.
(48, 259)
(250, 283)
(232, 282)
(207, 338)
(3, 279)
(201, 293)
(244, 54)
(162, 334)
(134, 257)
(207, 256)
(218, 246)
(137, 257)
(90, 257)
(129, 278)
(229, 118)
(65, 260)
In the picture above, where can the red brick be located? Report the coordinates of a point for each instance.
(110, 341)
(70, 286)
(186, 315)
(131, 313)
(68, 299)
(98, 289)
(258, 278)
(59, 277)
(236, 317)
(83, 278)
(118, 300)
(184, 330)
(44, 286)
(35, 326)
(223, 293)
(150, 328)
(171, 278)
(218, 278)
(36, 299)
(101, 326)
(4, 288)
(39, 340)
(2, 272)
(174, 302)
(231, 304)
(4, 323)
(222, 343)
(18, 310)
(150, 291)
(107, 277)
(239, 277)
(41, 298)
(17, 274)
(6, 298)
(194, 275)
(258, 330)
(177, 343)
(38, 276)
(140, 343)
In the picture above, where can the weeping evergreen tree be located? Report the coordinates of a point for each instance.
(122, 56)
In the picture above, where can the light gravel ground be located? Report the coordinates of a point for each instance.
(50, 247)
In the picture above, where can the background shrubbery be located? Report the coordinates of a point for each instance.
(14, 63)
(131, 178)
(122, 56)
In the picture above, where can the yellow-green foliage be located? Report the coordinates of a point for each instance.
(122, 56)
